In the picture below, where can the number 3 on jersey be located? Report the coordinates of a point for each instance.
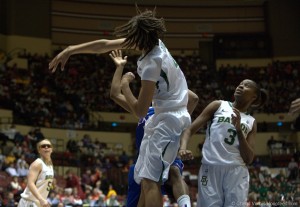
(232, 135)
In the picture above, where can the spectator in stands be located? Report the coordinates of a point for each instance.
(17, 149)
(73, 181)
(86, 180)
(111, 191)
(2, 160)
(10, 158)
(257, 163)
(67, 198)
(95, 195)
(15, 186)
(77, 199)
(11, 132)
(12, 170)
(123, 158)
(112, 201)
(22, 166)
(271, 142)
(53, 198)
(293, 169)
(10, 201)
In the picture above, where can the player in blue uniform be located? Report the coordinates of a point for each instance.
(179, 187)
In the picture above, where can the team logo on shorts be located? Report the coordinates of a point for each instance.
(204, 180)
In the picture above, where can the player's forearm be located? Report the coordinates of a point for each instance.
(184, 139)
(115, 89)
(34, 191)
(132, 102)
(245, 150)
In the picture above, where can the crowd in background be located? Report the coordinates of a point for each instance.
(100, 179)
(64, 99)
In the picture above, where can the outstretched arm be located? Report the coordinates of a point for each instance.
(98, 46)
(199, 122)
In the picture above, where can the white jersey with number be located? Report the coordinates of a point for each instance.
(43, 183)
(221, 146)
(171, 87)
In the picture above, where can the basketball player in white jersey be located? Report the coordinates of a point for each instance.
(40, 177)
(223, 177)
(162, 84)
(177, 183)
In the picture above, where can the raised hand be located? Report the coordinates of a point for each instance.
(116, 56)
(61, 59)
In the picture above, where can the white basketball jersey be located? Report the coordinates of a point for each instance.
(43, 183)
(221, 146)
(159, 66)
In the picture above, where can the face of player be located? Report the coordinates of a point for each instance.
(45, 148)
(246, 91)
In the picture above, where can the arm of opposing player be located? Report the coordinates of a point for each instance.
(115, 89)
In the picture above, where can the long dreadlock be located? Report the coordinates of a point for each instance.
(142, 31)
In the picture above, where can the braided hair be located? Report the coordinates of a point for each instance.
(142, 31)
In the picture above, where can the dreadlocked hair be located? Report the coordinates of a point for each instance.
(142, 31)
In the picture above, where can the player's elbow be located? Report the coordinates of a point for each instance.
(112, 96)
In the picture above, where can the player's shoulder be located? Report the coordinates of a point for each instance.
(37, 164)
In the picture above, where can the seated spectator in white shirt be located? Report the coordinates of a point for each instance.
(11, 170)
(15, 186)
